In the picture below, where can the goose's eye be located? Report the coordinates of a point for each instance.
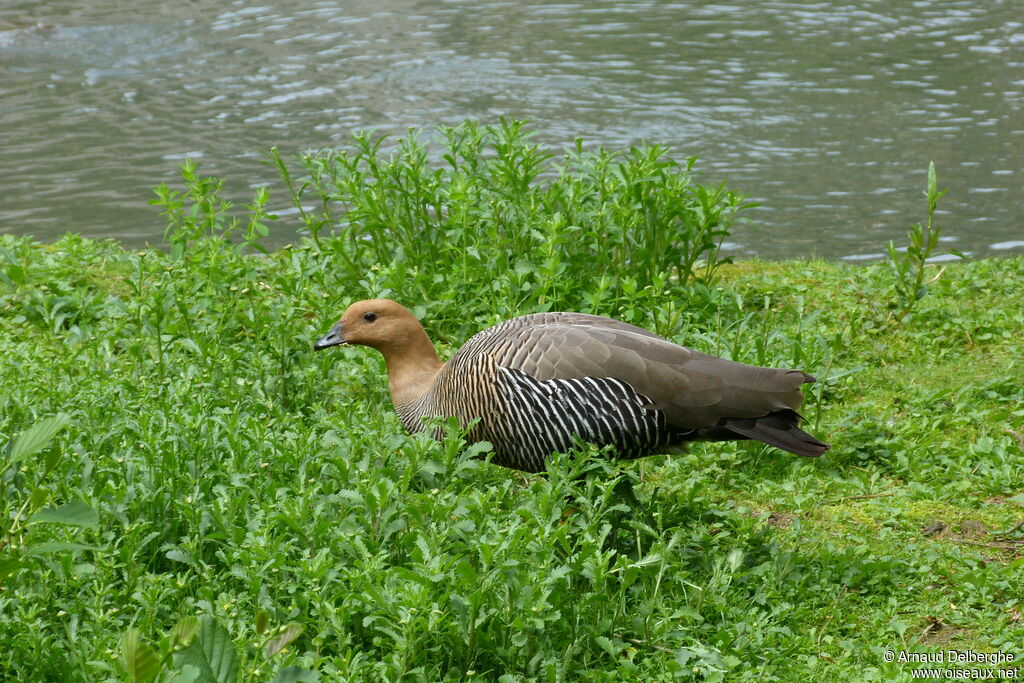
(369, 317)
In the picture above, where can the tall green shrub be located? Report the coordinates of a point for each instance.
(525, 228)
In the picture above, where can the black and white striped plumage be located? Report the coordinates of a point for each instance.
(536, 382)
(528, 419)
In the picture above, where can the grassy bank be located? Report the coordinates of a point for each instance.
(203, 461)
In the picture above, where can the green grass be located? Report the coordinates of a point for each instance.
(239, 477)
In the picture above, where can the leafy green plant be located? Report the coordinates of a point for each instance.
(13, 273)
(200, 213)
(200, 650)
(34, 443)
(504, 215)
(909, 267)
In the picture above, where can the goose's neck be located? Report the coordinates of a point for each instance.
(412, 367)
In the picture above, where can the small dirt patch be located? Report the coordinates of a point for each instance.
(938, 633)
(780, 520)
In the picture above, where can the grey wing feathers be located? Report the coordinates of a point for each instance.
(581, 319)
(693, 389)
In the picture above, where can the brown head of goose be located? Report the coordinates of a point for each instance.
(537, 381)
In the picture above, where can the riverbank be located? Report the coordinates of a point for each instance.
(234, 474)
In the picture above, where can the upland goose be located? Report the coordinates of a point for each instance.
(537, 381)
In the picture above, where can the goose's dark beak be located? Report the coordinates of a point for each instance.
(333, 338)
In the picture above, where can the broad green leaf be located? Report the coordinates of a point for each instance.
(261, 621)
(606, 645)
(282, 640)
(139, 659)
(187, 674)
(180, 556)
(189, 345)
(9, 566)
(16, 274)
(39, 496)
(50, 459)
(293, 674)
(8, 256)
(735, 559)
(57, 547)
(37, 437)
(75, 513)
(212, 653)
(183, 632)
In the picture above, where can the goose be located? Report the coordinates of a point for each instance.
(537, 382)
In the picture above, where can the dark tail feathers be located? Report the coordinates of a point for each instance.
(778, 429)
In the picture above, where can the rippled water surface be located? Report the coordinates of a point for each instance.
(825, 112)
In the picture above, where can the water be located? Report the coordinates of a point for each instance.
(825, 112)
